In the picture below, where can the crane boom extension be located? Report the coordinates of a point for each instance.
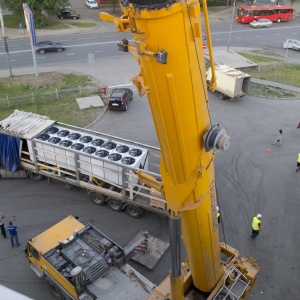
(168, 47)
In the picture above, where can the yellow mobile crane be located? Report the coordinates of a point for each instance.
(167, 43)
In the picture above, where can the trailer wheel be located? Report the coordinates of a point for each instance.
(55, 290)
(97, 198)
(115, 205)
(35, 176)
(133, 211)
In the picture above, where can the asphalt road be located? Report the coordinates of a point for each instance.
(249, 180)
(103, 45)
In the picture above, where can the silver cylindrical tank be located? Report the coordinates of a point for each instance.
(77, 279)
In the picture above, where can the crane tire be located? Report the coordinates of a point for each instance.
(134, 211)
(56, 292)
(35, 176)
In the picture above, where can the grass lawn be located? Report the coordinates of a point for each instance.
(272, 68)
(65, 110)
(12, 21)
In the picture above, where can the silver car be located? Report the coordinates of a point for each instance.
(91, 4)
(261, 23)
(292, 44)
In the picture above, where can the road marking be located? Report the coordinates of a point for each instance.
(71, 46)
(109, 36)
(64, 40)
(98, 51)
(87, 38)
(261, 29)
(21, 51)
(14, 45)
(239, 37)
(41, 57)
(70, 54)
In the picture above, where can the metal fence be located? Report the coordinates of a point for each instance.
(9, 101)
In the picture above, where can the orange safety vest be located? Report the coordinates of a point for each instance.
(255, 223)
(298, 158)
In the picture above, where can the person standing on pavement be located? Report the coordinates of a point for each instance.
(298, 163)
(3, 231)
(256, 226)
(279, 138)
(12, 229)
(20, 28)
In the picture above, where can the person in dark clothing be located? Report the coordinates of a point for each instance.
(3, 231)
(13, 234)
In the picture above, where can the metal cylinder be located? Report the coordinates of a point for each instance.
(175, 243)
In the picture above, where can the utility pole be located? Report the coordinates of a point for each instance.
(4, 38)
(232, 17)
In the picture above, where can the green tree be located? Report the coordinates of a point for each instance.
(41, 9)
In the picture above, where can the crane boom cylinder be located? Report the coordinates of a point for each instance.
(177, 95)
(167, 43)
(175, 244)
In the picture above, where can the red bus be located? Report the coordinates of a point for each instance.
(274, 13)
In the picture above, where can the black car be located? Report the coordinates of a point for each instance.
(48, 46)
(68, 14)
(119, 98)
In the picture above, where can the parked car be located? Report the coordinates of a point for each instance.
(292, 44)
(261, 23)
(48, 46)
(119, 98)
(91, 4)
(68, 14)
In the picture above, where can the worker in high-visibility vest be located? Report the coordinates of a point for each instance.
(218, 215)
(298, 163)
(256, 226)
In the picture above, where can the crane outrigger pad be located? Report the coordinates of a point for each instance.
(155, 250)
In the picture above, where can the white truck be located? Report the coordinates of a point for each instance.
(231, 83)
(104, 165)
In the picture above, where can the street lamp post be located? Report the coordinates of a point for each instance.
(232, 17)
(4, 38)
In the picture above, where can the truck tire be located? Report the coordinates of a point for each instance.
(57, 293)
(134, 211)
(115, 205)
(98, 198)
(35, 176)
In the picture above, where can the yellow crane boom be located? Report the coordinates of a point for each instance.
(167, 43)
